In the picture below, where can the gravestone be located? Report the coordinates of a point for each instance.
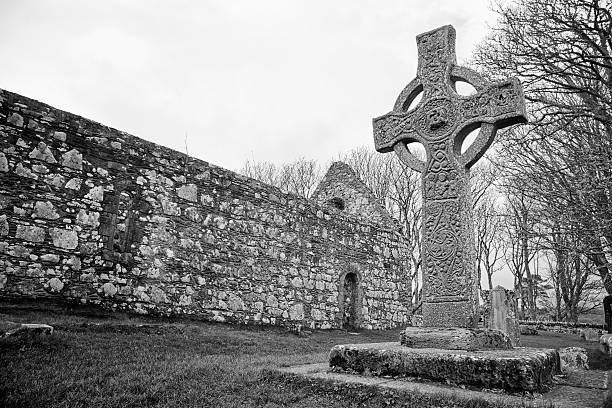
(441, 122)
(502, 314)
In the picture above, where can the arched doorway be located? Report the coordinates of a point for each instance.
(350, 299)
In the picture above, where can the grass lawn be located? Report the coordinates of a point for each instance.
(131, 362)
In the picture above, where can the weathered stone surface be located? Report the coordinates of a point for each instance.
(63, 238)
(61, 136)
(518, 369)
(188, 192)
(500, 312)
(4, 225)
(73, 159)
(441, 119)
(10, 329)
(52, 258)
(580, 388)
(23, 171)
(74, 184)
(15, 119)
(605, 343)
(574, 357)
(42, 152)
(95, 193)
(109, 289)
(45, 209)
(455, 338)
(88, 218)
(30, 233)
(296, 312)
(55, 285)
(3, 163)
(590, 334)
(527, 330)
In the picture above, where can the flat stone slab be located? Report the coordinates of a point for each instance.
(520, 369)
(574, 393)
(455, 338)
(10, 329)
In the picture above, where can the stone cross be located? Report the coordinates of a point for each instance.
(440, 122)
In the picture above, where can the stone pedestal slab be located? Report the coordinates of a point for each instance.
(524, 369)
(455, 338)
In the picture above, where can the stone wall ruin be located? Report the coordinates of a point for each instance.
(91, 215)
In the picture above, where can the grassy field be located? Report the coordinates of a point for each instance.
(131, 362)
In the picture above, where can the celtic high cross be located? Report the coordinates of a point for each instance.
(440, 122)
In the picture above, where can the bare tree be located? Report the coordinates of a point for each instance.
(561, 50)
(299, 177)
(490, 247)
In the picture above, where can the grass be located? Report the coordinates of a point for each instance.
(131, 362)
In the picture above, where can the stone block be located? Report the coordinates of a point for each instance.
(455, 338)
(10, 329)
(73, 159)
(501, 313)
(527, 330)
(590, 334)
(63, 238)
(30, 233)
(574, 357)
(45, 209)
(605, 342)
(519, 369)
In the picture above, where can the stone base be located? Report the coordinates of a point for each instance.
(455, 338)
(577, 389)
(450, 314)
(520, 369)
(605, 343)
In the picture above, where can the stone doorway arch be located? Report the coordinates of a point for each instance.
(350, 299)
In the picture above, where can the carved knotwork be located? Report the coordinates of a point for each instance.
(441, 122)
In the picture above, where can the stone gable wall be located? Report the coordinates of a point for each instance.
(342, 183)
(92, 215)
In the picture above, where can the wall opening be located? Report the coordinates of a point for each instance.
(337, 203)
(350, 300)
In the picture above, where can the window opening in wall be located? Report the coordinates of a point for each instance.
(350, 306)
(337, 203)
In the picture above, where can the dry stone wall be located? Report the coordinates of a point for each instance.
(92, 215)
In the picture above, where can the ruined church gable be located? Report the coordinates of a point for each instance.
(342, 190)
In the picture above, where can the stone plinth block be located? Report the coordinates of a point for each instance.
(455, 338)
(524, 369)
(605, 342)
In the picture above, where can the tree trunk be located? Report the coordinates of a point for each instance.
(530, 282)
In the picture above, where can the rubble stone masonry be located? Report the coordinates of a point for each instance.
(92, 215)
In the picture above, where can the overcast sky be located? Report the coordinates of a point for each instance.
(270, 80)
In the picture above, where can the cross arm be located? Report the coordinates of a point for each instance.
(391, 128)
(496, 106)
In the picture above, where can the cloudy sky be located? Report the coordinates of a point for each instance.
(267, 79)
